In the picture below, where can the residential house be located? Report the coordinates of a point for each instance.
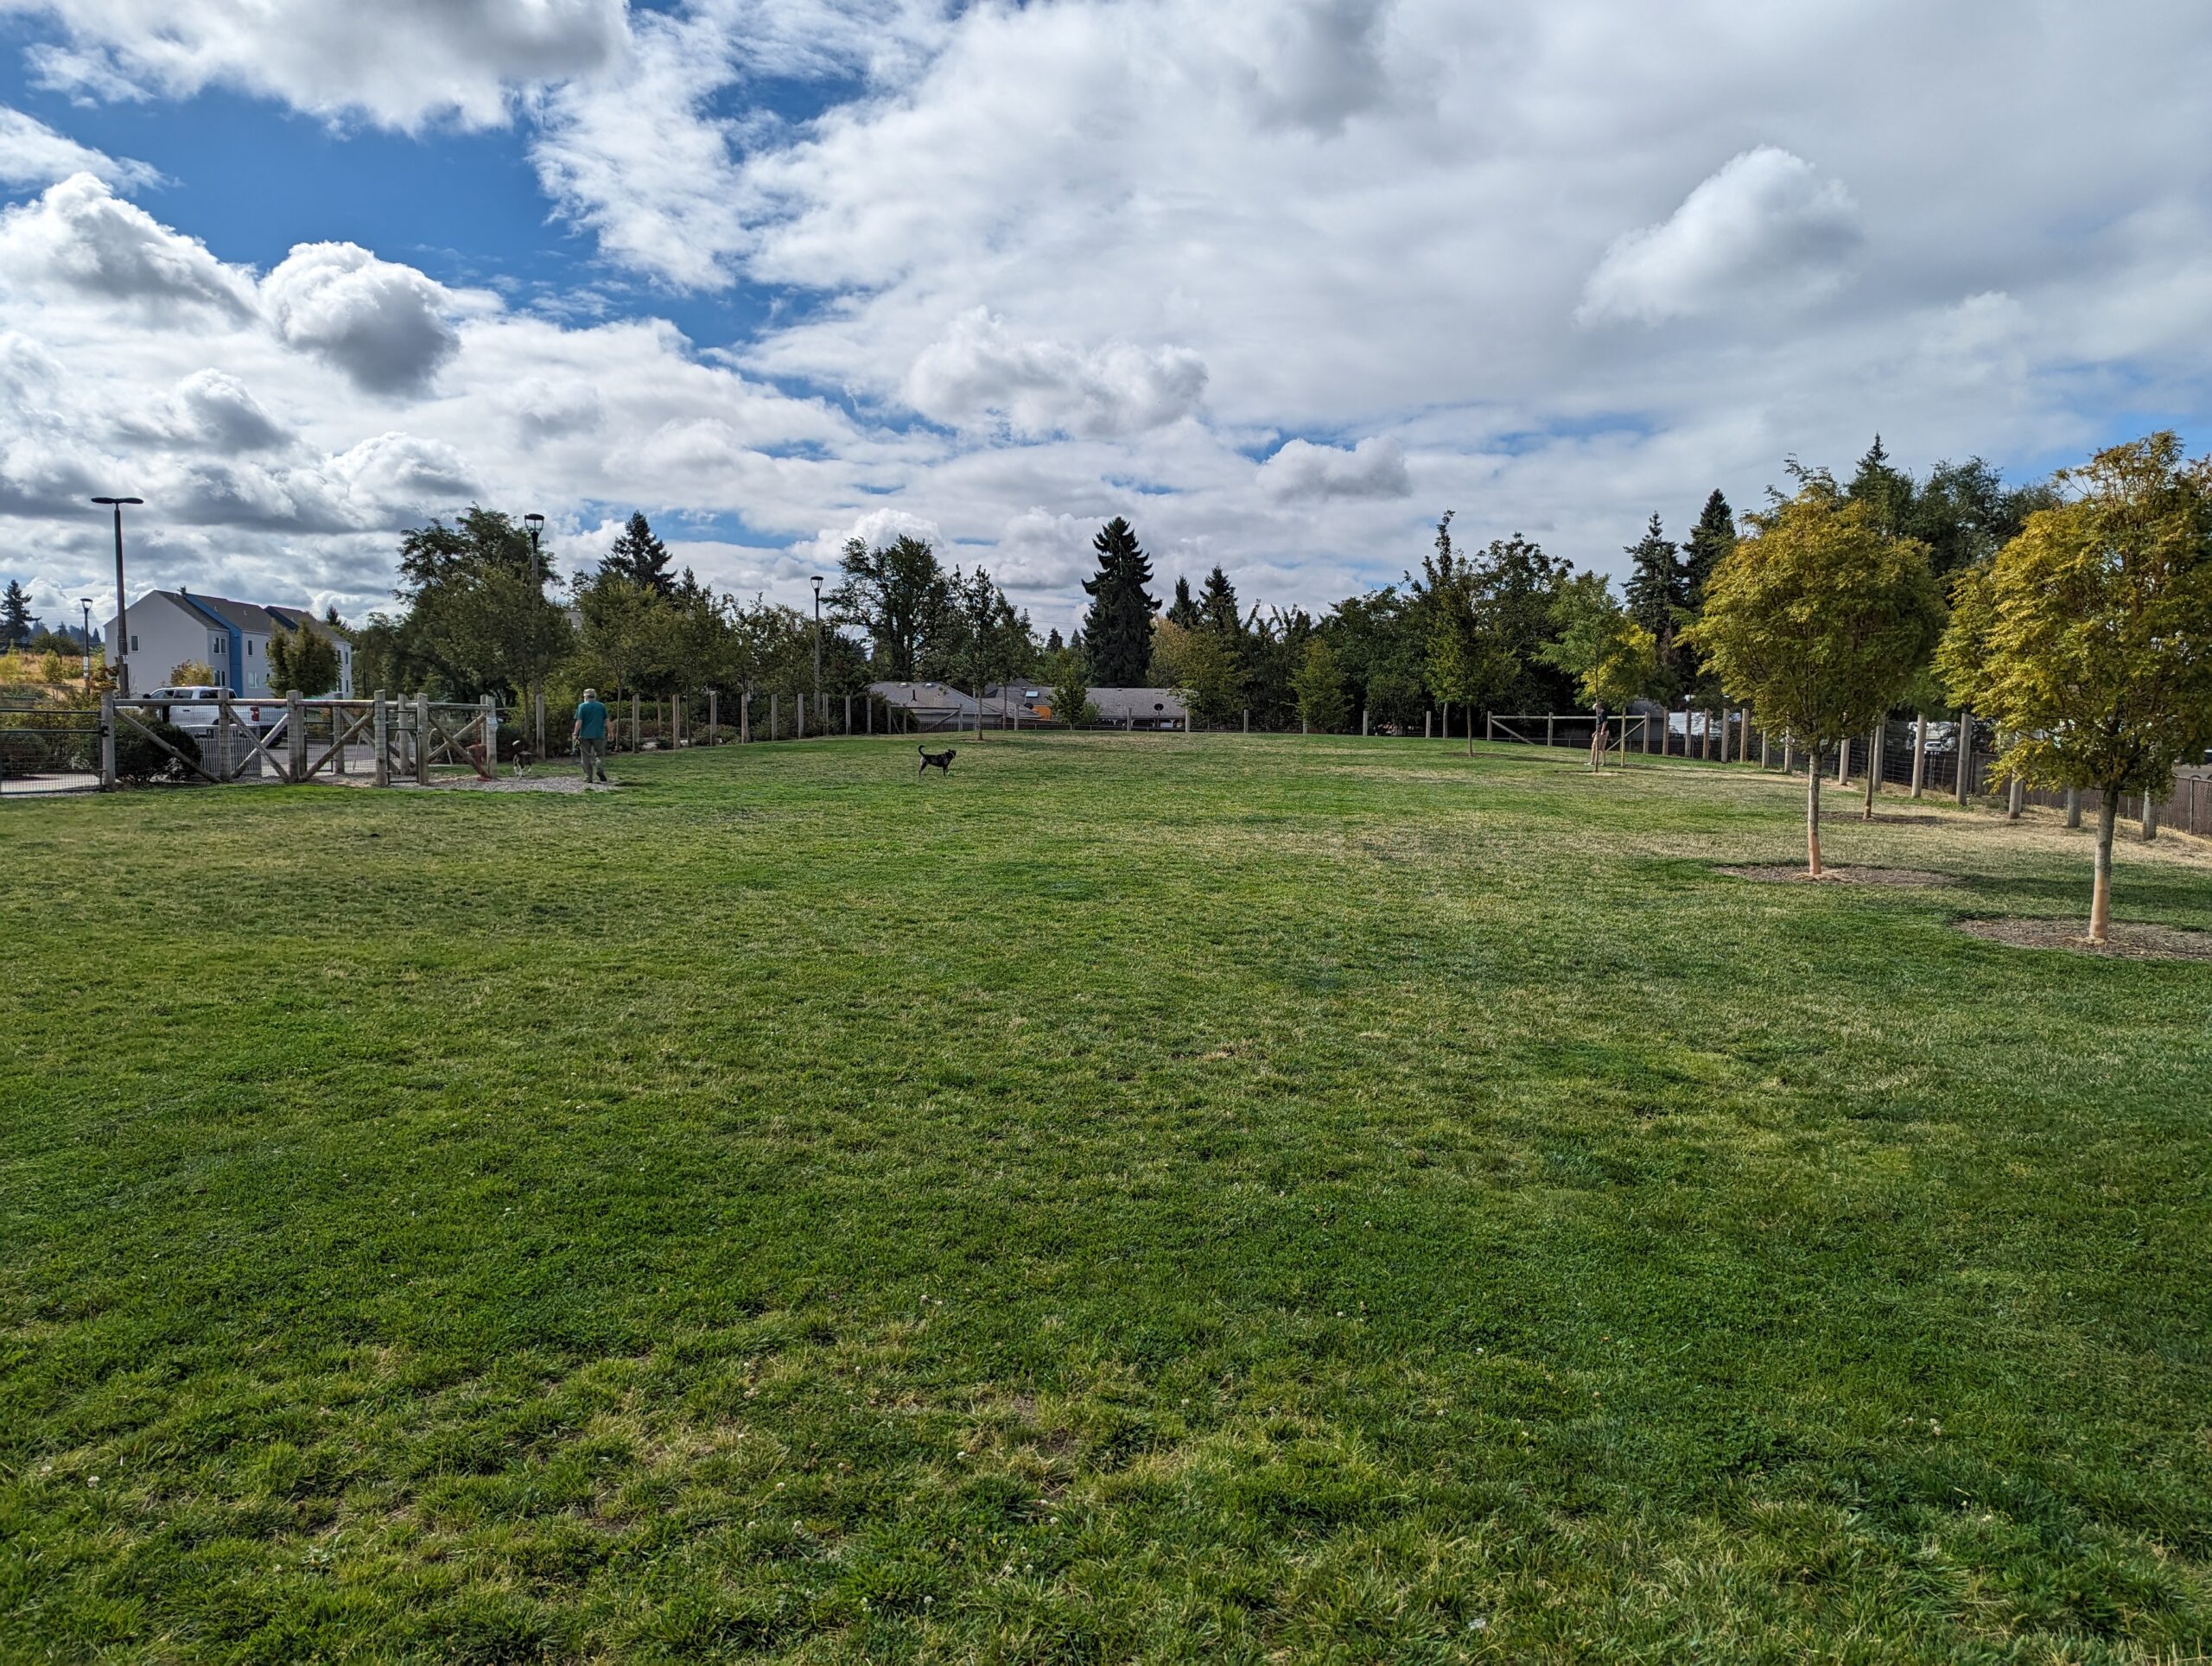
(169, 628)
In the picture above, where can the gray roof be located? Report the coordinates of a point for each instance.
(1142, 705)
(249, 615)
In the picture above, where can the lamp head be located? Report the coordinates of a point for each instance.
(535, 519)
(118, 500)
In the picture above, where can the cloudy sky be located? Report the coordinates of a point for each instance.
(1281, 280)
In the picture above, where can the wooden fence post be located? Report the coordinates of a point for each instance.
(744, 717)
(422, 740)
(538, 712)
(1428, 725)
(107, 738)
(296, 738)
(2015, 798)
(1363, 721)
(1247, 720)
(1490, 724)
(2073, 806)
(2150, 817)
(848, 715)
(1549, 721)
(381, 727)
(1964, 784)
(1919, 753)
(226, 720)
(714, 717)
(775, 717)
(488, 726)
(1843, 761)
(1766, 750)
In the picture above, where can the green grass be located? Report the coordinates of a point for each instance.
(1151, 1199)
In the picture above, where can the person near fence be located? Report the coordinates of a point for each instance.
(589, 735)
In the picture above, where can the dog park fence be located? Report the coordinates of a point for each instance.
(1921, 755)
(406, 739)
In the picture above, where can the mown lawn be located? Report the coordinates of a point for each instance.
(1141, 1198)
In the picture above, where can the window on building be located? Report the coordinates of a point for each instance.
(134, 642)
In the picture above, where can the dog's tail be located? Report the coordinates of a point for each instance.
(923, 750)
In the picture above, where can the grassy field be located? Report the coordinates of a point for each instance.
(1145, 1197)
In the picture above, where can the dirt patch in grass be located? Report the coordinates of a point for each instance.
(2128, 941)
(1785, 873)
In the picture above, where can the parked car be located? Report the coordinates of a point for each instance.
(192, 706)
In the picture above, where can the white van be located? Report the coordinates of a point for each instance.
(192, 708)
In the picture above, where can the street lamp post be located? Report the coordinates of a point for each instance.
(85, 641)
(122, 602)
(535, 523)
(817, 644)
(533, 702)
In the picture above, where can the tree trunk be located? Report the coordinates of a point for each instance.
(1873, 776)
(1597, 745)
(1813, 816)
(2100, 889)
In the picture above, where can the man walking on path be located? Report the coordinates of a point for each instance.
(589, 736)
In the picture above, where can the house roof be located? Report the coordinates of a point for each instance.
(1142, 705)
(248, 616)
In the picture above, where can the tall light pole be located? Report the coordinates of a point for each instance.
(86, 640)
(817, 643)
(122, 602)
(535, 523)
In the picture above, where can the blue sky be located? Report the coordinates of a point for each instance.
(1280, 281)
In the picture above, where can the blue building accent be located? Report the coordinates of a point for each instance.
(228, 675)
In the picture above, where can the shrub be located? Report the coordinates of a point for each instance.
(138, 760)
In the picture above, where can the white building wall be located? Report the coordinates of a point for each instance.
(158, 635)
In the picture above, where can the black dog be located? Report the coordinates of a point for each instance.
(940, 761)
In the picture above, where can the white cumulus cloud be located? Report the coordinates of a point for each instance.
(31, 153)
(981, 370)
(78, 238)
(1767, 226)
(1375, 467)
(384, 325)
(398, 62)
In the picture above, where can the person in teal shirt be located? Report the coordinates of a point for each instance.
(589, 736)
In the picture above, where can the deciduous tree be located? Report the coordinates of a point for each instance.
(1320, 689)
(899, 594)
(1614, 659)
(2088, 639)
(304, 659)
(1819, 620)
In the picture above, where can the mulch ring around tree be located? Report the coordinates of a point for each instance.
(1785, 873)
(2128, 940)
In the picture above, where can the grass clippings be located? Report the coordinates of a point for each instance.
(2126, 939)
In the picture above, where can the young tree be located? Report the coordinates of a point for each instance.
(15, 615)
(1466, 658)
(1614, 659)
(1321, 688)
(640, 557)
(191, 674)
(1117, 630)
(1198, 665)
(1819, 620)
(1070, 694)
(899, 594)
(302, 660)
(2088, 639)
(1886, 490)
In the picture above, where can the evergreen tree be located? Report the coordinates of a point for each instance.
(1658, 587)
(1117, 630)
(1713, 537)
(1182, 611)
(301, 659)
(1887, 492)
(640, 557)
(1217, 606)
(1052, 643)
(15, 615)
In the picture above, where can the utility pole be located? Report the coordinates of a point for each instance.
(122, 601)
